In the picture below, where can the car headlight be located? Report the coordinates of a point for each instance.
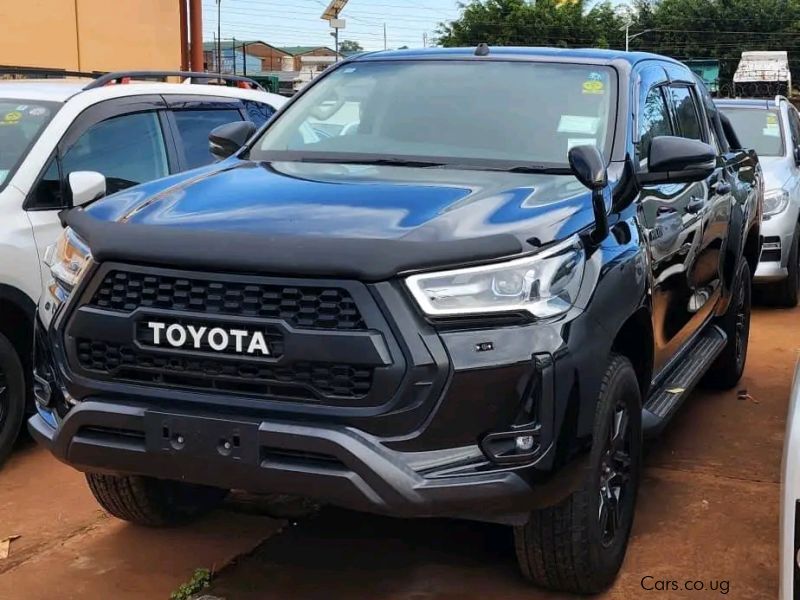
(68, 260)
(544, 284)
(775, 201)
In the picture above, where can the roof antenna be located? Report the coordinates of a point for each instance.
(482, 49)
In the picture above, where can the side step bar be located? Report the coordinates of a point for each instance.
(665, 399)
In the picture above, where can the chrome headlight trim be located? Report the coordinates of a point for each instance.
(545, 284)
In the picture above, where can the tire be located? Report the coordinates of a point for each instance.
(572, 547)
(785, 292)
(152, 502)
(12, 397)
(727, 369)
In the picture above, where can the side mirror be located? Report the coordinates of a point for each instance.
(678, 160)
(797, 156)
(589, 168)
(86, 186)
(225, 140)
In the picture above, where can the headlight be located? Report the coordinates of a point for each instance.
(775, 201)
(68, 259)
(545, 284)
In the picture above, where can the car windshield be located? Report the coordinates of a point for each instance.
(509, 114)
(759, 129)
(21, 122)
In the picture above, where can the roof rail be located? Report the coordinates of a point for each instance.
(121, 76)
(44, 72)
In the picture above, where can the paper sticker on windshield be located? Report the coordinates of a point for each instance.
(572, 142)
(772, 119)
(3, 175)
(12, 117)
(594, 85)
(578, 124)
(38, 111)
(771, 131)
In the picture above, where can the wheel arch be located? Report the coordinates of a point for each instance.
(634, 340)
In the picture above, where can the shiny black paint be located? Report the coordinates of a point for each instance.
(662, 254)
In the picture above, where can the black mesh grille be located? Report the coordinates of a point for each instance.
(301, 306)
(302, 380)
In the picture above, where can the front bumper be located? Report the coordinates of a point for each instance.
(338, 465)
(436, 435)
(778, 234)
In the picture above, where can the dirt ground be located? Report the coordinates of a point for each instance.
(708, 513)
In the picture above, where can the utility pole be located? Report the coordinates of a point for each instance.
(244, 58)
(233, 51)
(384, 37)
(219, 36)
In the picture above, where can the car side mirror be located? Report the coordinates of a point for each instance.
(678, 160)
(797, 156)
(589, 168)
(86, 186)
(226, 140)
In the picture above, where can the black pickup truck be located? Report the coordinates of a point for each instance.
(451, 282)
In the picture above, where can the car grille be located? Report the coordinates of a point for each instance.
(304, 307)
(302, 380)
(303, 321)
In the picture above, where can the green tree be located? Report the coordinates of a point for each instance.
(350, 47)
(561, 23)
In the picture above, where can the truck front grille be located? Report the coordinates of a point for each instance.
(304, 307)
(301, 380)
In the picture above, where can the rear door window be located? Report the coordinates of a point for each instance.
(194, 125)
(687, 115)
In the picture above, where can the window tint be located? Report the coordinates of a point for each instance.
(258, 112)
(794, 124)
(194, 127)
(653, 121)
(128, 150)
(528, 113)
(686, 114)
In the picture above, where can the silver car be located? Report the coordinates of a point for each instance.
(772, 128)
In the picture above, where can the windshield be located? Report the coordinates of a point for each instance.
(470, 112)
(759, 129)
(21, 122)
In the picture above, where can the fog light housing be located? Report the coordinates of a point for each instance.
(524, 443)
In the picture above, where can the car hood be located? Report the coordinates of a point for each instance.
(356, 201)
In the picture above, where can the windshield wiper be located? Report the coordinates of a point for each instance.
(393, 162)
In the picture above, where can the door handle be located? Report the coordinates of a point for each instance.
(722, 187)
(696, 204)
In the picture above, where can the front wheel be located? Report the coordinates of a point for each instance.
(12, 397)
(152, 502)
(578, 546)
(727, 369)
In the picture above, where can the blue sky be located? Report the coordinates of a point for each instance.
(298, 23)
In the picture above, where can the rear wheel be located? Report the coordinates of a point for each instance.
(12, 397)
(152, 502)
(785, 292)
(578, 546)
(727, 369)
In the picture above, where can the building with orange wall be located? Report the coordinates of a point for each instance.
(91, 35)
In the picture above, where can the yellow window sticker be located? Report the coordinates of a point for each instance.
(772, 119)
(594, 86)
(12, 117)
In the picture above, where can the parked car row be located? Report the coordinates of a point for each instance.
(386, 303)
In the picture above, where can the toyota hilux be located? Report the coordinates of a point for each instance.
(451, 282)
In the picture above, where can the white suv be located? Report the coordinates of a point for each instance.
(89, 137)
